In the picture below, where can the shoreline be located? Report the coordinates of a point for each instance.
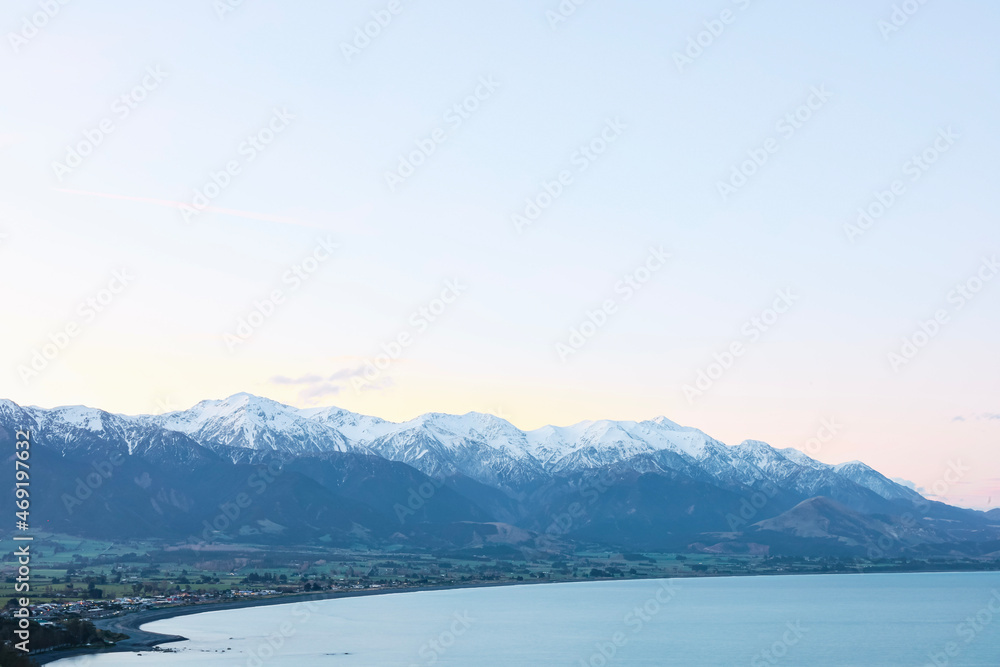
(141, 640)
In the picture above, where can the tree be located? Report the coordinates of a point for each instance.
(11, 657)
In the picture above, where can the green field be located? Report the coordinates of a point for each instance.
(66, 568)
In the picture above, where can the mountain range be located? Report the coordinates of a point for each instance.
(249, 469)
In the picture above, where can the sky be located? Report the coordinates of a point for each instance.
(769, 220)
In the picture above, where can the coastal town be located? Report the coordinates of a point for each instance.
(90, 595)
(85, 624)
(47, 613)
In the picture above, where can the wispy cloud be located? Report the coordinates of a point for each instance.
(905, 482)
(378, 385)
(313, 394)
(982, 416)
(305, 379)
(347, 373)
(316, 387)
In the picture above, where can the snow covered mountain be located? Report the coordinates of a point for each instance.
(440, 480)
(493, 451)
(244, 421)
(483, 447)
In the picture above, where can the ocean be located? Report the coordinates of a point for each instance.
(866, 620)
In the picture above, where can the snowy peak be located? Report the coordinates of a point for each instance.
(485, 447)
(238, 407)
(865, 476)
(354, 427)
(246, 421)
(67, 420)
(619, 439)
(803, 459)
(71, 416)
(758, 453)
(663, 422)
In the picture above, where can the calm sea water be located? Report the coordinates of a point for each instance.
(869, 620)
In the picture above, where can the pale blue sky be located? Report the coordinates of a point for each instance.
(160, 342)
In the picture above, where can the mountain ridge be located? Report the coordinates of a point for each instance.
(433, 441)
(438, 479)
